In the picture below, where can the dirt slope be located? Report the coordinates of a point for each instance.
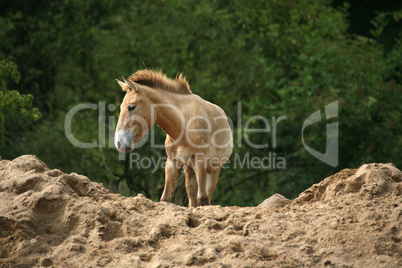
(48, 218)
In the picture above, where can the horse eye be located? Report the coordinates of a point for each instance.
(131, 107)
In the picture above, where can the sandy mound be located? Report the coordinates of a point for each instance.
(48, 218)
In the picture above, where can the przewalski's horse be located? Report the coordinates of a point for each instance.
(199, 138)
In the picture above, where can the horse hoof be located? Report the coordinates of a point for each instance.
(203, 201)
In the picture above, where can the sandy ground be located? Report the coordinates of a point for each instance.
(48, 218)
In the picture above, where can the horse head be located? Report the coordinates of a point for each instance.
(135, 116)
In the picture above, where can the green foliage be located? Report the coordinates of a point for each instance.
(12, 102)
(278, 58)
(379, 23)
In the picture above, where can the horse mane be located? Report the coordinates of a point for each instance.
(158, 80)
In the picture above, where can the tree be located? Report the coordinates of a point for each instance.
(12, 102)
(277, 58)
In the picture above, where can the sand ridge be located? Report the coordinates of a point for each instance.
(52, 219)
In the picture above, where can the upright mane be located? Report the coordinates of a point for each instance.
(158, 80)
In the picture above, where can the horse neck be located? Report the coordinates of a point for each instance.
(169, 115)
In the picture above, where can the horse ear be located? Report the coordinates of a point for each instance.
(124, 86)
(133, 85)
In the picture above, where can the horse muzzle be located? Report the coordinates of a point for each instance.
(124, 141)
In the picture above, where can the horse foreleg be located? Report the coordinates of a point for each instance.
(171, 175)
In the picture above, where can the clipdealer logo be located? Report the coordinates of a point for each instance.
(331, 154)
(271, 161)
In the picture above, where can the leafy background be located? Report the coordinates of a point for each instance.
(278, 58)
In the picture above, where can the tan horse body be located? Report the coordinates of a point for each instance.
(199, 138)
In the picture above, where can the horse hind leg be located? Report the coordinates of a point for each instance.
(212, 181)
(202, 196)
(191, 187)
